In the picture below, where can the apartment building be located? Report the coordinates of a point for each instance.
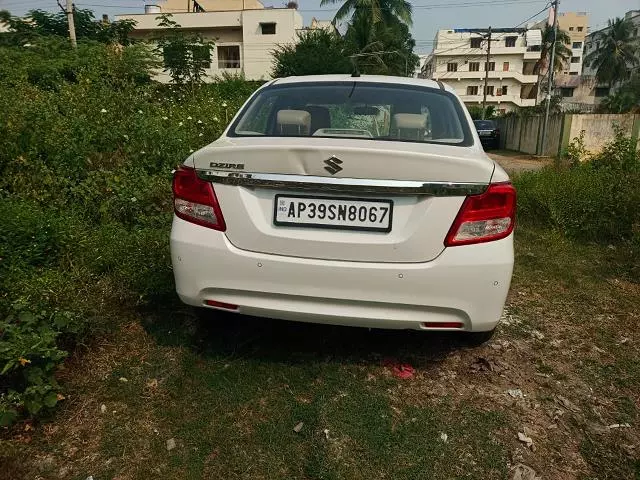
(459, 58)
(583, 92)
(244, 31)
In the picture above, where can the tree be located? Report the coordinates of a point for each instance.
(316, 52)
(562, 53)
(617, 53)
(625, 99)
(186, 56)
(381, 48)
(39, 23)
(379, 10)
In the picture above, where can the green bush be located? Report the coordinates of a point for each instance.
(594, 200)
(88, 146)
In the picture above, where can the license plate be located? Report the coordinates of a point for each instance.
(485, 133)
(333, 212)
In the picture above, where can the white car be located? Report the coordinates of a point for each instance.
(348, 200)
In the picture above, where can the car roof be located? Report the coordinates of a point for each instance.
(421, 82)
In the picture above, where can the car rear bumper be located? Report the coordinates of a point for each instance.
(466, 284)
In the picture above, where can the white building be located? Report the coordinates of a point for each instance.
(422, 60)
(244, 31)
(459, 58)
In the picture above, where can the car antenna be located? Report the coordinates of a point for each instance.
(354, 63)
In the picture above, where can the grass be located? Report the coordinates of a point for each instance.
(230, 390)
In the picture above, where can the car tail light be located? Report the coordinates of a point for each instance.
(485, 217)
(195, 201)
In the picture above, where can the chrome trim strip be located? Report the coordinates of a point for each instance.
(347, 185)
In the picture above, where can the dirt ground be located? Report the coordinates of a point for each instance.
(516, 162)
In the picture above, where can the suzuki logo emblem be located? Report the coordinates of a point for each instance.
(333, 165)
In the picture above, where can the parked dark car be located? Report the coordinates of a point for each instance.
(488, 132)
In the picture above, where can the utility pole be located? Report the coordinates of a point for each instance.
(72, 27)
(486, 75)
(550, 80)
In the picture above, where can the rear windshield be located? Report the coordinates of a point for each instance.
(368, 111)
(484, 124)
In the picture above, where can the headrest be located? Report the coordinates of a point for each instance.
(415, 121)
(300, 118)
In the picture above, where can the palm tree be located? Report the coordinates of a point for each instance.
(380, 10)
(562, 53)
(617, 54)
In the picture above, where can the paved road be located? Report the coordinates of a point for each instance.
(514, 162)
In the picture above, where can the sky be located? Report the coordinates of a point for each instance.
(428, 15)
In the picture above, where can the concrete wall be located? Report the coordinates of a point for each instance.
(523, 134)
(599, 128)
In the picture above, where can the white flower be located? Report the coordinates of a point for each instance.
(180, 124)
(224, 104)
(200, 135)
(134, 199)
(143, 152)
(103, 111)
(215, 119)
(139, 111)
(165, 118)
(188, 118)
(27, 45)
(199, 121)
(191, 151)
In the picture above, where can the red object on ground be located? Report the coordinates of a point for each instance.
(400, 370)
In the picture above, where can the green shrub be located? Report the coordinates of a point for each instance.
(596, 200)
(29, 355)
(88, 146)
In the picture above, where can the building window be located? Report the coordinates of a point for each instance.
(575, 59)
(510, 41)
(505, 67)
(489, 90)
(268, 28)
(504, 90)
(602, 91)
(229, 56)
(573, 73)
(576, 45)
(580, 29)
(566, 92)
(490, 67)
(202, 54)
(474, 66)
(472, 90)
(571, 29)
(452, 67)
(476, 42)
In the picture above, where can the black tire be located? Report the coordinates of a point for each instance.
(476, 339)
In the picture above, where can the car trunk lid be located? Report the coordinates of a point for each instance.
(424, 184)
